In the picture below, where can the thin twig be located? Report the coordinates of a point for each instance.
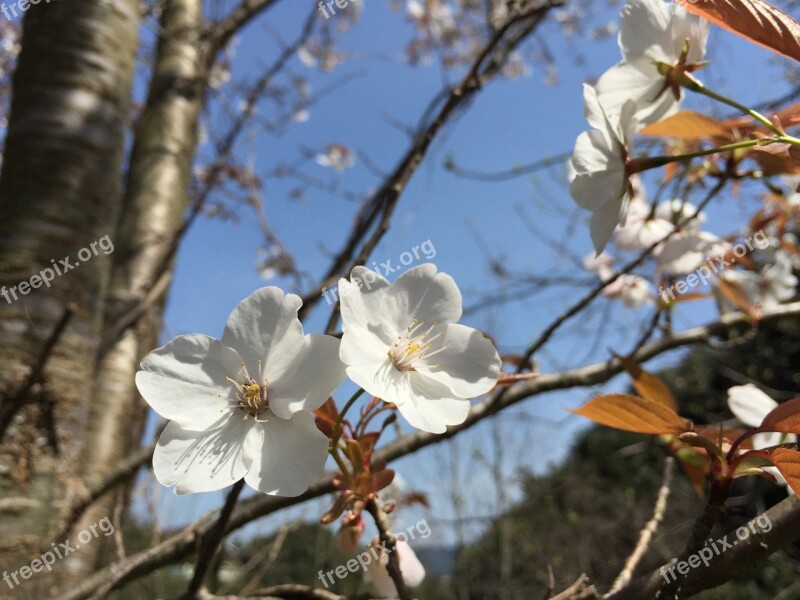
(649, 530)
(182, 543)
(210, 541)
(390, 543)
(513, 172)
(375, 217)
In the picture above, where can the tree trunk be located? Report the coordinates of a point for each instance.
(59, 193)
(153, 211)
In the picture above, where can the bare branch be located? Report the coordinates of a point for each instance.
(375, 217)
(250, 509)
(238, 18)
(785, 520)
(390, 543)
(649, 530)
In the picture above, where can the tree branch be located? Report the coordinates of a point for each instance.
(377, 212)
(649, 530)
(390, 543)
(236, 20)
(785, 529)
(250, 509)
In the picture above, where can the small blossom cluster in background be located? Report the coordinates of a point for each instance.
(750, 270)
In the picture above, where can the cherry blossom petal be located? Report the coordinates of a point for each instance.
(318, 372)
(431, 406)
(264, 327)
(202, 461)
(369, 330)
(641, 81)
(184, 381)
(749, 404)
(379, 580)
(425, 295)
(469, 365)
(292, 457)
(597, 174)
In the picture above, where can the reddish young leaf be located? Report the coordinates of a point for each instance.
(754, 20)
(355, 455)
(692, 296)
(326, 416)
(380, 480)
(784, 418)
(753, 463)
(687, 125)
(788, 463)
(696, 465)
(649, 386)
(630, 413)
(775, 159)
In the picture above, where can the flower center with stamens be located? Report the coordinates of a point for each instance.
(411, 347)
(250, 397)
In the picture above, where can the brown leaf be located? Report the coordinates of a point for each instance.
(687, 125)
(735, 294)
(754, 20)
(775, 159)
(788, 463)
(649, 386)
(784, 418)
(630, 413)
(794, 153)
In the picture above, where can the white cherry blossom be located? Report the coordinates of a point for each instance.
(775, 283)
(686, 251)
(402, 343)
(599, 181)
(601, 264)
(240, 407)
(633, 290)
(642, 228)
(678, 211)
(652, 32)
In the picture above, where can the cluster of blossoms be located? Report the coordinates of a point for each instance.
(241, 407)
(661, 46)
(256, 404)
(660, 42)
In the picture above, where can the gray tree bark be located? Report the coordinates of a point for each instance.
(59, 192)
(155, 203)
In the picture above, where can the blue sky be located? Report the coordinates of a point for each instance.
(510, 123)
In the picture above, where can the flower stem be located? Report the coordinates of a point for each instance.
(644, 163)
(699, 88)
(337, 428)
